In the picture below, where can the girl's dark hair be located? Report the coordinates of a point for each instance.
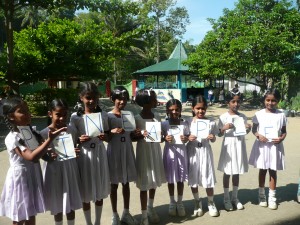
(9, 106)
(231, 94)
(144, 96)
(171, 102)
(58, 102)
(84, 88)
(273, 92)
(199, 99)
(119, 92)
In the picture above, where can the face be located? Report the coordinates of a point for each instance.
(90, 101)
(21, 116)
(174, 112)
(59, 117)
(234, 104)
(120, 103)
(199, 110)
(271, 102)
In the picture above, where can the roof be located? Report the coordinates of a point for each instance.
(173, 65)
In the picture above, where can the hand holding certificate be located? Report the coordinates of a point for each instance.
(176, 131)
(64, 146)
(200, 128)
(154, 132)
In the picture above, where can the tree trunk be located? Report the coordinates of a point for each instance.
(157, 41)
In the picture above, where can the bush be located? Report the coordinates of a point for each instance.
(295, 103)
(38, 102)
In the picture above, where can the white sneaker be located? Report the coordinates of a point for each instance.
(180, 209)
(262, 200)
(144, 221)
(115, 220)
(198, 208)
(227, 205)
(237, 204)
(172, 209)
(152, 215)
(128, 219)
(272, 203)
(298, 198)
(213, 211)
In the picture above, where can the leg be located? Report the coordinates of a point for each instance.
(153, 217)
(235, 188)
(126, 216)
(143, 199)
(227, 202)
(98, 211)
(87, 212)
(272, 189)
(58, 219)
(126, 195)
(213, 211)
(198, 203)
(180, 206)
(172, 205)
(71, 217)
(113, 197)
(261, 190)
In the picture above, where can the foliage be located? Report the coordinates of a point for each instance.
(257, 39)
(295, 103)
(283, 104)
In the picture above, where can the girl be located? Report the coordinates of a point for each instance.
(22, 195)
(121, 157)
(267, 152)
(92, 162)
(149, 164)
(233, 158)
(61, 176)
(174, 157)
(200, 160)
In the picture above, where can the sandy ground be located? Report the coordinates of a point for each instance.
(288, 211)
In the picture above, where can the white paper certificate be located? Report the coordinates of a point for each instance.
(93, 124)
(176, 131)
(239, 126)
(128, 121)
(200, 128)
(64, 146)
(154, 132)
(28, 137)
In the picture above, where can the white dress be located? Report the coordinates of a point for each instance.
(92, 163)
(201, 171)
(149, 164)
(61, 182)
(233, 157)
(22, 195)
(121, 158)
(268, 155)
(175, 156)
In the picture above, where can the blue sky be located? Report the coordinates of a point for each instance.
(199, 11)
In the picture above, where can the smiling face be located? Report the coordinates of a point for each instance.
(90, 101)
(174, 112)
(270, 102)
(120, 103)
(234, 104)
(21, 116)
(199, 110)
(58, 117)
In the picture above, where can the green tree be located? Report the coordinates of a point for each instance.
(258, 39)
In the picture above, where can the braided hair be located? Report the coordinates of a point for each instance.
(86, 87)
(9, 106)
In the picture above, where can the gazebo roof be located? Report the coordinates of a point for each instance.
(173, 65)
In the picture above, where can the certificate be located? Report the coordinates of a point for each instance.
(154, 132)
(239, 126)
(93, 124)
(176, 131)
(200, 128)
(64, 146)
(128, 121)
(28, 137)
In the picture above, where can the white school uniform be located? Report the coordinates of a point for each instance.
(61, 182)
(201, 171)
(121, 159)
(22, 194)
(268, 155)
(92, 163)
(149, 164)
(233, 157)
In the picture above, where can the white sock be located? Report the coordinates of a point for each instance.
(210, 198)
(172, 199)
(150, 202)
(87, 216)
(179, 198)
(98, 213)
(70, 222)
(226, 194)
(261, 191)
(58, 222)
(144, 213)
(272, 194)
(196, 196)
(235, 190)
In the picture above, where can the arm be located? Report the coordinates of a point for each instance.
(281, 137)
(30, 155)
